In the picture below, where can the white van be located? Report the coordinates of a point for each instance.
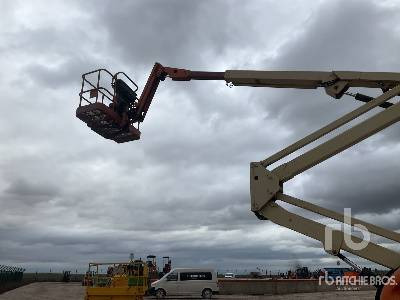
(229, 275)
(183, 281)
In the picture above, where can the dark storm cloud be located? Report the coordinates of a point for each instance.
(22, 194)
(68, 196)
(58, 59)
(176, 32)
(54, 77)
(23, 188)
(345, 35)
(372, 188)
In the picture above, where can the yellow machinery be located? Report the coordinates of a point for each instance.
(123, 281)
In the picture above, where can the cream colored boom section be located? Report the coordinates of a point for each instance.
(315, 230)
(311, 79)
(332, 126)
(267, 186)
(339, 143)
(394, 236)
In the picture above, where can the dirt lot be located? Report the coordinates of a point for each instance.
(74, 291)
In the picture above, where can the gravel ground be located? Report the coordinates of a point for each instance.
(74, 291)
(46, 291)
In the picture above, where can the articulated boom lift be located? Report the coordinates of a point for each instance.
(114, 114)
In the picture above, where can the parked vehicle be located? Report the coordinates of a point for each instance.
(229, 275)
(66, 276)
(184, 281)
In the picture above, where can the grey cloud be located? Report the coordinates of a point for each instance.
(62, 75)
(182, 189)
(344, 35)
(175, 32)
(24, 188)
(366, 187)
(335, 38)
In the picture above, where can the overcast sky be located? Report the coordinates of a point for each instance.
(68, 196)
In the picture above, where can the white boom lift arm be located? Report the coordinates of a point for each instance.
(116, 121)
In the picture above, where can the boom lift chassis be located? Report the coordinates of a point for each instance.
(266, 186)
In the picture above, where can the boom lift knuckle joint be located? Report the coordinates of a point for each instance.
(264, 185)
